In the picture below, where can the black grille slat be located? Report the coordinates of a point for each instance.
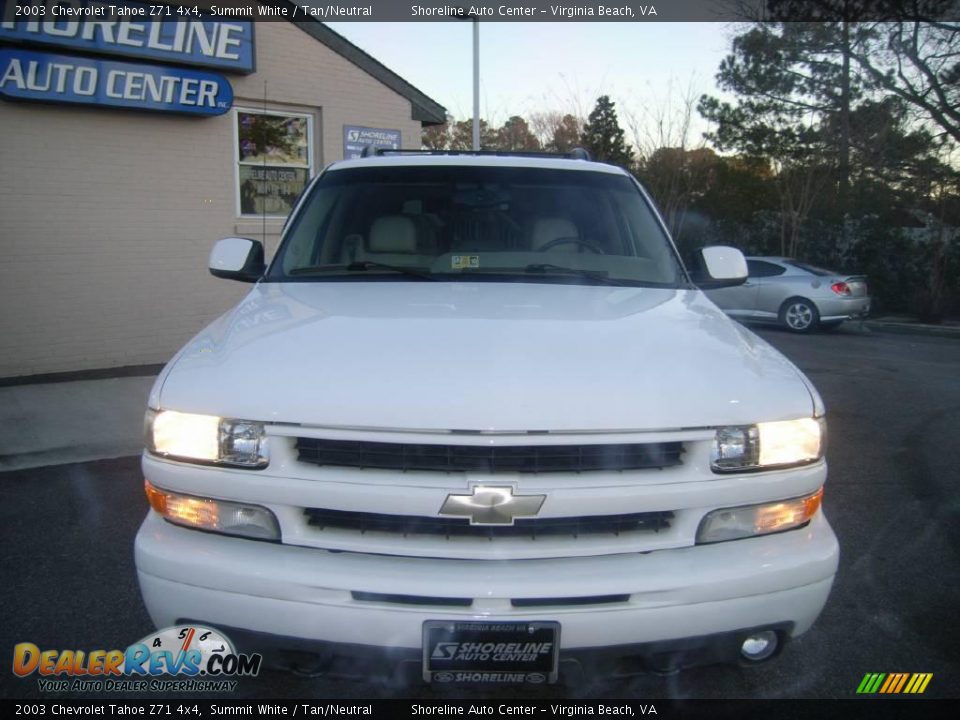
(460, 527)
(470, 458)
(568, 601)
(396, 599)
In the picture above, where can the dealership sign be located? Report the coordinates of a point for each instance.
(355, 139)
(226, 45)
(26, 75)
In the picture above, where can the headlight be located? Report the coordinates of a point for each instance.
(220, 516)
(751, 520)
(206, 439)
(770, 444)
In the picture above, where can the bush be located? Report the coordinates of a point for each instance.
(909, 273)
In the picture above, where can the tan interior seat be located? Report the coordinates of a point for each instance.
(548, 229)
(393, 234)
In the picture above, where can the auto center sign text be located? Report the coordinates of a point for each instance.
(28, 73)
(60, 78)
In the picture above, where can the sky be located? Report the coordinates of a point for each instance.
(647, 68)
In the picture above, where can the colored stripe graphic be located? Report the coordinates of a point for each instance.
(894, 683)
(918, 683)
(870, 683)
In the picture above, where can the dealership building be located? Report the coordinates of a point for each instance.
(128, 148)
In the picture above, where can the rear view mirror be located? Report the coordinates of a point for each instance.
(722, 266)
(236, 258)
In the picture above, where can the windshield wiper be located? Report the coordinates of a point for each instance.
(363, 265)
(601, 276)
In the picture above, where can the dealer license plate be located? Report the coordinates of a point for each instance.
(490, 652)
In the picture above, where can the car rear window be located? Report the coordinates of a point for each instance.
(812, 269)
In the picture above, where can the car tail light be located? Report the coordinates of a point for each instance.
(840, 288)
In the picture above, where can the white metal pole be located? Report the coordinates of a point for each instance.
(476, 84)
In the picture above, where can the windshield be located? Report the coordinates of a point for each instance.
(448, 222)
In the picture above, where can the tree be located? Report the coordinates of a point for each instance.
(671, 170)
(675, 177)
(516, 135)
(461, 136)
(567, 135)
(556, 131)
(794, 93)
(603, 136)
(908, 48)
(919, 62)
(790, 78)
(436, 137)
(740, 187)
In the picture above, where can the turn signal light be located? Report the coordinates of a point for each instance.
(219, 516)
(752, 520)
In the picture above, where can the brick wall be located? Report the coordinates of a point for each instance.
(107, 216)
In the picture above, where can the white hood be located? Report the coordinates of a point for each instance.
(481, 356)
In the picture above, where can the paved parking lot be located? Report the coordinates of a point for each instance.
(894, 413)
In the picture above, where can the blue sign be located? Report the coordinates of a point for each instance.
(355, 139)
(26, 75)
(225, 44)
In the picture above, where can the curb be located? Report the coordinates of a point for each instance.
(902, 328)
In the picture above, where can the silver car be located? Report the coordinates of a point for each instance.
(799, 296)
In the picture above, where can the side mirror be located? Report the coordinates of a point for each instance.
(722, 266)
(236, 258)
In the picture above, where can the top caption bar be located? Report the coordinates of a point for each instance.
(66, 11)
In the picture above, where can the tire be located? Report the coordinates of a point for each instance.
(799, 315)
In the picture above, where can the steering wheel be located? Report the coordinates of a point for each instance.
(572, 240)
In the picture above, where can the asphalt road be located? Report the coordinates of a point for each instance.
(892, 497)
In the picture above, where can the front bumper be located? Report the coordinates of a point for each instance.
(670, 598)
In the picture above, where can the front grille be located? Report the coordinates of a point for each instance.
(472, 458)
(533, 528)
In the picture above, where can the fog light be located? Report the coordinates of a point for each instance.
(759, 646)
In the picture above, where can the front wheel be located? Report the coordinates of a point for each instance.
(799, 315)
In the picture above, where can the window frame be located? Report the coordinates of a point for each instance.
(311, 156)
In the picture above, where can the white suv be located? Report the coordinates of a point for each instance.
(476, 421)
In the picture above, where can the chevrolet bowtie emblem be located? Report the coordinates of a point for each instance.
(492, 505)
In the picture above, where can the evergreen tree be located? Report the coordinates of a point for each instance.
(603, 136)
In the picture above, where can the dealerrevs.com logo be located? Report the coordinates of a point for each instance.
(179, 658)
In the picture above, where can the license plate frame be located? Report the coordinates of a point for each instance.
(489, 651)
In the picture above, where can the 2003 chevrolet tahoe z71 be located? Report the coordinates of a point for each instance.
(475, 420)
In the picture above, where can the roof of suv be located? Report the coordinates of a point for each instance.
(525, 161)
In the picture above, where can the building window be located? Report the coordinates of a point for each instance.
(274, 161)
